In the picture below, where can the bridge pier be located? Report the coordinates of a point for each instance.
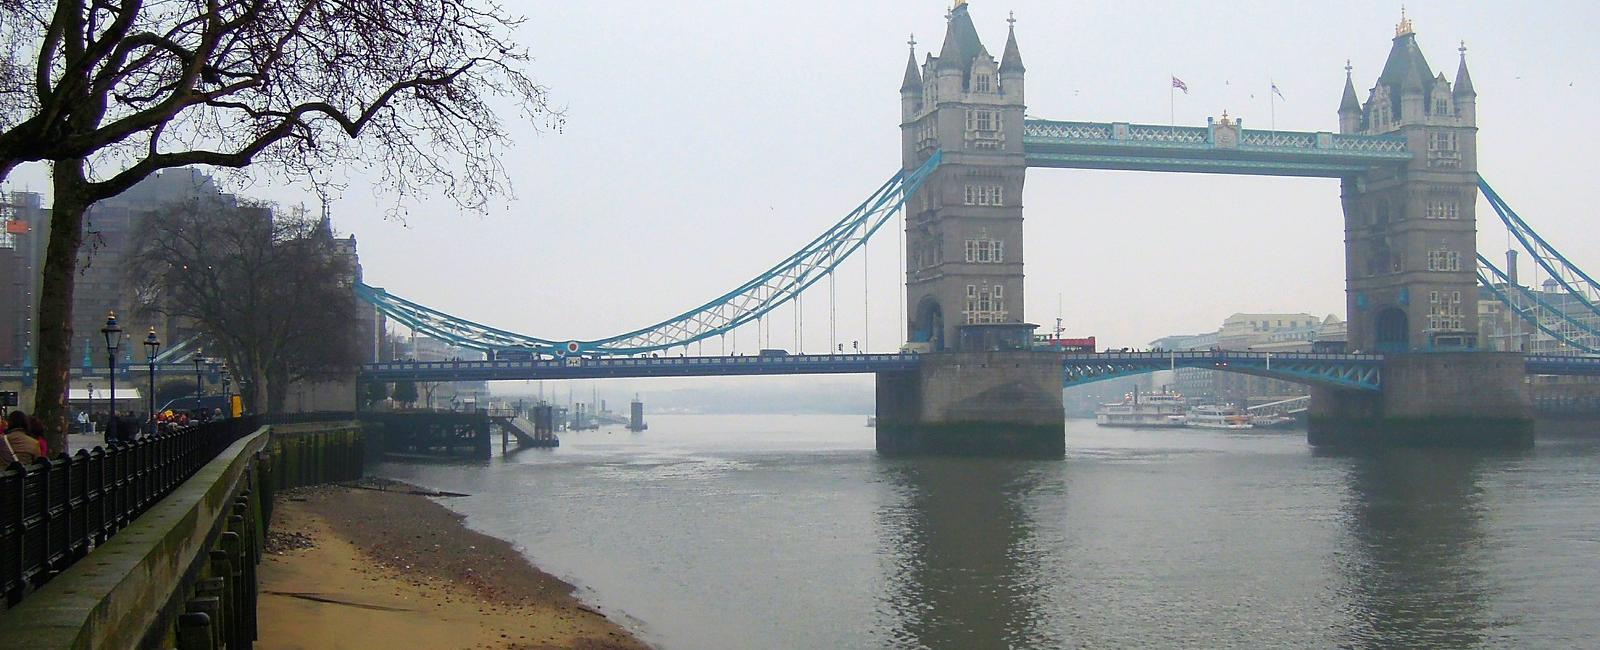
(1455, 399)
(1005, 403)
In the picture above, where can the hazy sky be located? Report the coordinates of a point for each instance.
(707, 140)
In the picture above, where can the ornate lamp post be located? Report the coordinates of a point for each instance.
(151, 346)
(199, 361)
(91, 406)
(113, 336)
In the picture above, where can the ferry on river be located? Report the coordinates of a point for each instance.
(1212, 416)
(1154, 410)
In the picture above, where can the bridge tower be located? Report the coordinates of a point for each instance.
(964, 226)
(979, 391)
(1410, 231)
(1410, 257)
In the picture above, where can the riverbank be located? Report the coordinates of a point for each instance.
(379, 567)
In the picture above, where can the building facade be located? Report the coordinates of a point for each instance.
(1255, 332)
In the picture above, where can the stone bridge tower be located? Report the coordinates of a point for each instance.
(1410, 232)
(964, 226)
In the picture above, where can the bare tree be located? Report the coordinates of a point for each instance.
(270, 291)
(112, 91)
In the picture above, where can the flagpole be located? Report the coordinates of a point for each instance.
(1172, 102)
(1272, 104)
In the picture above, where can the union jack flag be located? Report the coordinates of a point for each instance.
(1178, 83)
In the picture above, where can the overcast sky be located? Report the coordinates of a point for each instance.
(707, 140)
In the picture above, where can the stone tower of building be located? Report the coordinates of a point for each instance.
(964, 226)
(1410, 233)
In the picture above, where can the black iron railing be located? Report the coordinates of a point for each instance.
(54, 511)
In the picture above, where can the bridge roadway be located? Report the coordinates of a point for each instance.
(1351, 371)
(1347, 371)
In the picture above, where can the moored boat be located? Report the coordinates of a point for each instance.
(1212, 416)
(1153, 410)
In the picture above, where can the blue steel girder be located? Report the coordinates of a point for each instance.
(1528, 305)
(1345, 371)
(742, 305)
(1148, 147)
(1574, 280)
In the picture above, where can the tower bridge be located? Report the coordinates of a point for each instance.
(1406, 162)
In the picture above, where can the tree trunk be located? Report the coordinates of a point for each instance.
(55, 299)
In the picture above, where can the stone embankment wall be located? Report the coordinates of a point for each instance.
(183, 574)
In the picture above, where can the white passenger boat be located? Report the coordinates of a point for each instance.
(1211, 416)
(1153, 410)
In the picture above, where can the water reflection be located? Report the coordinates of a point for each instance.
(959, 555)
(1414, 568)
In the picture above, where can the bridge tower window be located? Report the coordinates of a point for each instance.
(1443, 210)
(983, 83)
(986, 304)
(985, 251)
(993, 195)
(1444, 260)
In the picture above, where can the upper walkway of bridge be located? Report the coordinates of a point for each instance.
(1220, 148)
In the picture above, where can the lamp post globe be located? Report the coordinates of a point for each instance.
(113, 335)
(152, 345)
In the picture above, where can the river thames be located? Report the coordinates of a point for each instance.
(710, 532)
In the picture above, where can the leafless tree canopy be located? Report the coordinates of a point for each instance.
(269, 291)
(112, 91)
(137, 86)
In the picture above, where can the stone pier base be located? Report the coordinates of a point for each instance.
(974, 404)
(1453, 399)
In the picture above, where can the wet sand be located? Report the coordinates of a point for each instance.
(353, 568)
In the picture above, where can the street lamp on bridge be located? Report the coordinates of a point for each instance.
(113, 336)
(151, 346)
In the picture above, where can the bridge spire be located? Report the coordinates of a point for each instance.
(1349, 104)
(1403, 28)
(1463, 85)
(1011, 60)
(912, 83)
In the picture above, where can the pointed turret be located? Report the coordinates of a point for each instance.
(913, 79)
(1407, 73)
(1011, 60)
(961, 42)
(1466, 97)
(1349, 105)
(1463, 79)
(911, 98)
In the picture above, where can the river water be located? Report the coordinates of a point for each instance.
(711, 532)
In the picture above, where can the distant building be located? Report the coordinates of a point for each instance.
(109, 233)
(1556, 310)
(1256, 332)
(20, 261)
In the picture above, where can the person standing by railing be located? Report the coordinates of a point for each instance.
(23, 446)
(7, 457)
(36, 431)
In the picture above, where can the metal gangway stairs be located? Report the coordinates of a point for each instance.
(524, 431)
(1285, 408)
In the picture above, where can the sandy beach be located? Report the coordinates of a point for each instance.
(353, 568)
